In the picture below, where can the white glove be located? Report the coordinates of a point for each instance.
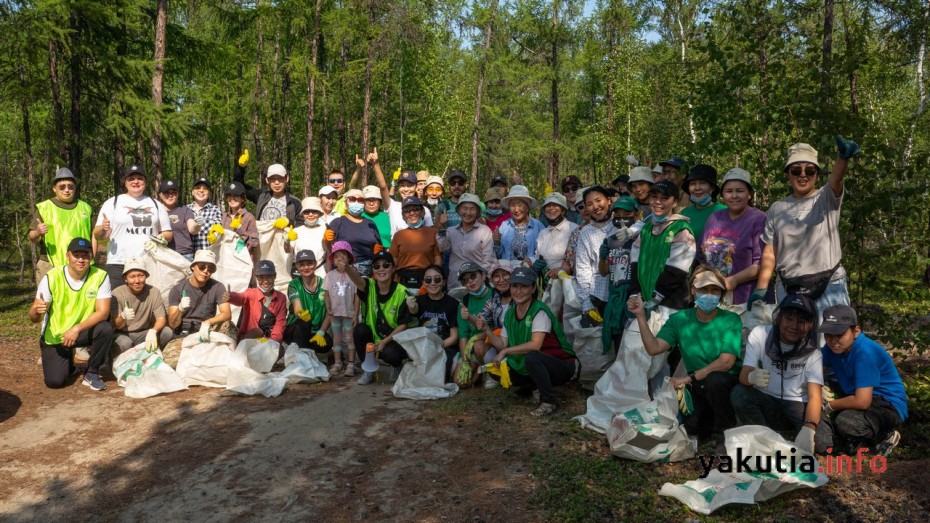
(149, 246)
(759, 378)
(199, 220)
(631, 160)
(204, 332)
(159, 239)
(151, 340)
(185, 303)
(412, 304)
(128, 314)
(805, 440)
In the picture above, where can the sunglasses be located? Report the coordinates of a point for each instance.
(352, 199)
(336, 180)
(205, 267)
(66, 187)
(456, 182)
(469, 277)
(570, 188)
(579, 207)
(379, 266)
(435, 279)
(809, 170)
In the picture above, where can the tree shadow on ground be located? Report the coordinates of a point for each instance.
(9, 405)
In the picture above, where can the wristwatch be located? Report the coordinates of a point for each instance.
(693, 377)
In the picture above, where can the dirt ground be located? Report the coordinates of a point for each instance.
(332, 452)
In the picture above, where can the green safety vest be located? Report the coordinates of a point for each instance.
(63, 226)
(70, 307)
(390, 308)
(521, 331)
(653, 253)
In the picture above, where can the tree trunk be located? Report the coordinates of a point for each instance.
(488, 30)
(161, 28)
(30, 172)
(311, 98)
(341, 125)
(76, 58)
(609, 98)
(256, 104)
(921, 100)
(325, 135)
(57, 111)
(826, 64)
(366, 111)
(554, 98)
(275, 112)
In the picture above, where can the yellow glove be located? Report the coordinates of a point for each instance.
(281, 223)
(318, 339)
(244, 158)
(503, 371)
(291, 235)
(396, 174)
(236, 222)
(216, 232)
(329, 235)
(596, 316)
(303, 314)
(262, 339)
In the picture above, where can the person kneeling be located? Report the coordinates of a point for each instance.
(782, 377)
(710, 342)
(142, 315)
(73, 303)
(197, 304)
(533, 343)
(875, 402)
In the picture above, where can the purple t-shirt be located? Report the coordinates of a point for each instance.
(181, 242)
(733, 245)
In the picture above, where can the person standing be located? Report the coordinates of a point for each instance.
(73, 304)
(59, 220)
(469, 241)
(310, 233)
(701, 187)
(184, 223)
(592, 287)
(416, 247)
(516, 237)
(274, 202)
(207, 210)
(446, 215)
(239, 220)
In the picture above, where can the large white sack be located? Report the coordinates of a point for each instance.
(650, 432)
(552, 295)
(423, 378)
(248, 365)
(589, 349)
(571, 305)
(165, 267)
(205, 364)
(233, 266)
(626, 383)
(303, 366)
(144, 374)
(722, 488)
(271, 246)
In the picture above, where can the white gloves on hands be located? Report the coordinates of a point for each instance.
(805, 440)
(204, 332)
(151, 340)
(185, 303)
(128, 314)
(759, 378)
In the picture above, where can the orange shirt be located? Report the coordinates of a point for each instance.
(414, 248)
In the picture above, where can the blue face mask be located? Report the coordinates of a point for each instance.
(660, 219)
(495, 212)
(700, 202)
(480, 291)
(416, 225)
(356, 208)
(706, 302)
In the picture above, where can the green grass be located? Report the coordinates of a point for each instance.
(15, 300)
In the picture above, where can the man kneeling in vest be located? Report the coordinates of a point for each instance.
(73, 303)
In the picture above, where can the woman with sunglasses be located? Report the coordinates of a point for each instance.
(360, 233)
(732, 241)
(384, 314)
(415, 247)
(438, 312)
(802, 231)
(533, 343)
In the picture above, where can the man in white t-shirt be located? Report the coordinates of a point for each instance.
(73, 304)
(782, 377)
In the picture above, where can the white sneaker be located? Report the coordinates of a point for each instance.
(490, 383)
(367, 378)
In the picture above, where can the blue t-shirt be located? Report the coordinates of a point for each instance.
(867, 364)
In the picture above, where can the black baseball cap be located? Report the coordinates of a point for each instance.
(80, 244)
(407, 176)
(411, 200)
(203, 181)
(523, 276)
(456, 173)
(305, 255)
(383, 255)
(838, 319)
(168, 185)
(665, 187)
(799, 302)
(235, 189)
(134, 169)
(265, 268)
(499, 180)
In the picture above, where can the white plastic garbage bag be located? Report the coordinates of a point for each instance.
(423, 378)
(589, 349)
(552, 295)
(271, 246)
(302, 366)
(248, 365)
(651, 432)
(145, 374)
(761, 314)
(724, 485)
(626, 383)
(233, 265)
(165, 267)
(205, 364)
(571, 305)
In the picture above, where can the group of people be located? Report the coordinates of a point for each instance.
(479, 272)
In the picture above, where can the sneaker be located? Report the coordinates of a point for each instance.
(336, 368)
(367, 378)
(885, 446)
(544, 409)
(395, 373)
(350, 370)
(490, 383)
(93, 381)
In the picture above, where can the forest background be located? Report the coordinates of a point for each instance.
(540, 88)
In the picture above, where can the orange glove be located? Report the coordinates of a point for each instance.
(329, 235)
(378, 248)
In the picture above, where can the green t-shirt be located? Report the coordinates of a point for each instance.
(699, 217)
(383, 223)
(702, 343)
(475, 306)
(310, 301)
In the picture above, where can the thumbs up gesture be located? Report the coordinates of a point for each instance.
(128, 313)
(373, 156)
(41, 228)
(359, 162)
(41, 305)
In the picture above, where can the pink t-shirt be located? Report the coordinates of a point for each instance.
(341, 293)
